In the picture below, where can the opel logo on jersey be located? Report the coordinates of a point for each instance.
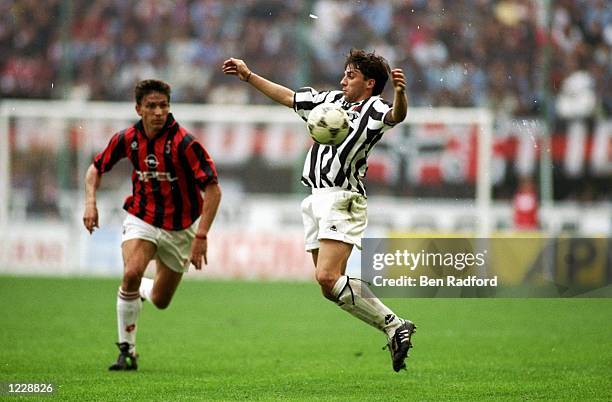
(151, 161)
(159, 176)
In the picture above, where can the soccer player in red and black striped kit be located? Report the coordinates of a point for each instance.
(168, 218)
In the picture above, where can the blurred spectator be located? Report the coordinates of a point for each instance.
(525, 206)
(577, 96)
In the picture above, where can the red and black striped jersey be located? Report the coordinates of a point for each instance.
(169, 172)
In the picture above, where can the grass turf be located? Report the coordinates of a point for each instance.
(263, 341)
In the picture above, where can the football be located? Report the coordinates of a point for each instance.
(328, 124)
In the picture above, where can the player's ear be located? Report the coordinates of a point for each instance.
(370, 83)
(137, 107)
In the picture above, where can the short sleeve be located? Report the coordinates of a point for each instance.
(381, 108)
(202, 164)
(113, 153)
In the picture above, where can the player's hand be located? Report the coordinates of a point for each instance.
(90, 217)
(198, 252)
(398, 79)
(236, 67)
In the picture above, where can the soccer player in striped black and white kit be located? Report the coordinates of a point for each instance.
(167, 218)
(334, 215)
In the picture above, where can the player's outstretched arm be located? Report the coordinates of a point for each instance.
(92, 182)
(400, 101)
(272, 90)
(199, 247)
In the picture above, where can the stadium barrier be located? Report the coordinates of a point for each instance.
(264, 240)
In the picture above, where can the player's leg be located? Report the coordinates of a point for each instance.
(136, 256)
(341, 219)
(165, 285)
(315, 256)
(172, 261)
(350, 294)
(137, 253)
(330, 264)
(354, 296)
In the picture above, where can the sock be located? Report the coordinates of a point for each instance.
(355, 297)
(128, 309)
(146, 289)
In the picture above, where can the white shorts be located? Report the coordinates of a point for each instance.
(173, 246)
(336, 214)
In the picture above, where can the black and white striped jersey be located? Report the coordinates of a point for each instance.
(342, 165)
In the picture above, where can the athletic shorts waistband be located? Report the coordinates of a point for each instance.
(326, 190)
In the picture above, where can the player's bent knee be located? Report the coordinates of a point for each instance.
(161, 304)
(327, 282)
(160, 301)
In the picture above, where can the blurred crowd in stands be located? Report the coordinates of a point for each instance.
(454, 52)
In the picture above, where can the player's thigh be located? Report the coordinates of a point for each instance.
(315, 255)
(137, 253)
(165, 284)
(332, 257)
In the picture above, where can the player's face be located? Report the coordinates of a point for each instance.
(355, 86)
(153, 109)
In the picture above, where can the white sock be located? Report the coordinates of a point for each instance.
(355, 297)
(128, 309)
(146, 288)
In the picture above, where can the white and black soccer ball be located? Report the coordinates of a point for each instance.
(328, 124)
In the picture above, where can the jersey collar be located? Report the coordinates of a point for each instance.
(170, 122)
(346, 105)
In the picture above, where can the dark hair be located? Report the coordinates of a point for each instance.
(371, 66)
(145, 87)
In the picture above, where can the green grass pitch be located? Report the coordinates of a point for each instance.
(269, 341)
